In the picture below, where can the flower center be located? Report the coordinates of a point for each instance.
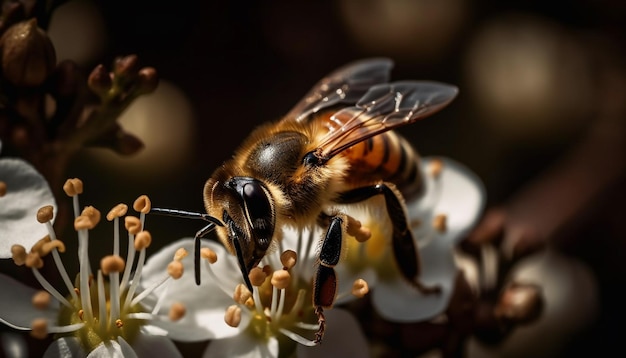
(103, 326)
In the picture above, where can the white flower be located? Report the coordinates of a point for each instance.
(278, 318)
(97, 317)
(451, 205)
(22, 192)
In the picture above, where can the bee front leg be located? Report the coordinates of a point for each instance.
(325, 284)
(403, 244)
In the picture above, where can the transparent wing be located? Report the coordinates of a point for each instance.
(345, 85)
(383, 108)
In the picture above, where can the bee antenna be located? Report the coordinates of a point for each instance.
(201, 233)
(186, 215)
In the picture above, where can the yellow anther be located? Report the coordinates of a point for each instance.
(112, 263)
(119, 323)
(208, 254)
(3, 188)
(33, 260)
(45, 214)
(49, 246)
(440, 223)
(39, 244)
(435, 167)
(143, 239)
(288, 259)
(281, 279)
(73, 187)
(354, 228)
(232, 317)
(257, 276)
(132, 224)
(175, 269)
(241, 294)
(267, 269)
(92, 213)
(360, 288)
(41, 300)
(250, 303)
(142, 204)
(81, 314)
(177, 311)
(88, 219)
(180, 254)
(18, 253)
(39, 328)
(117, 212)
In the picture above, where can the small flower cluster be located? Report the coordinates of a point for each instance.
(277, 318)
(99, 311)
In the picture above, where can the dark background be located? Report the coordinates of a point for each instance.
(243, 63)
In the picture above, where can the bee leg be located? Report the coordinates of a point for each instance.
(197, 247)
(325, 284)
(403, 244)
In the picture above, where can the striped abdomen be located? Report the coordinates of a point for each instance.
(388, 157)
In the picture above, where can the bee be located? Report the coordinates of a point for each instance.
(335, 147)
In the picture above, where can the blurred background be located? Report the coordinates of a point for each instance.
(540, 116)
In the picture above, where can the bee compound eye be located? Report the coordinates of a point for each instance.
(256, 200)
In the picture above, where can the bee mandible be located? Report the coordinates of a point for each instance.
(335, 147)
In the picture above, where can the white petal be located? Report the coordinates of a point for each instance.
(152, 330)
(65, 347)
(343, 338)
(398, 301)
(155, 346)
(242, 346)
(305, 264)
(571, 304)
(113, 349)
(205, 304)
(27, 191)
(462, 197)
(15, 303)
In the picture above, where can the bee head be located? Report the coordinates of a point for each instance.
(246, 208)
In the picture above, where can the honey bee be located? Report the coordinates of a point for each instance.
(335, 147)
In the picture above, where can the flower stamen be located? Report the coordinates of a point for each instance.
(47, 214)
(114, 215)
(232, 317)
(257, 277)
(72, 188)
(211, 258)
(133, 226)
(177, 311)
(41, 300)
(142, 241)
(440, 223)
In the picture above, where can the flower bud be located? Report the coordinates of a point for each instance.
(147, 80)
(99, 80)
(28, 56)
(126, 66)
(519, 303)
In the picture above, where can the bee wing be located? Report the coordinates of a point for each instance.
(345, 85)
(383, 108)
